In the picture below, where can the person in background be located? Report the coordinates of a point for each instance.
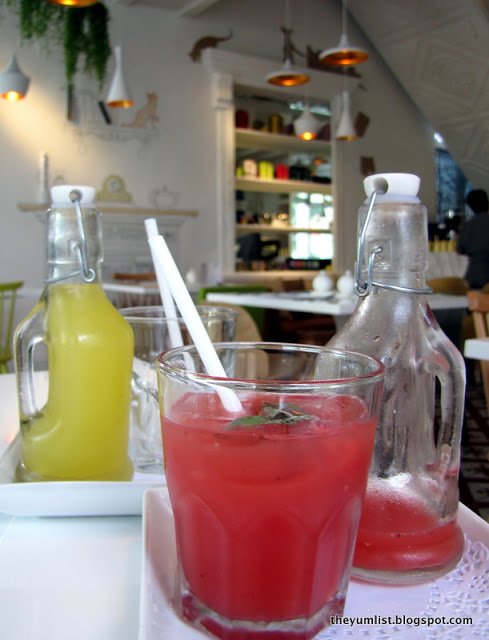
(473, 240)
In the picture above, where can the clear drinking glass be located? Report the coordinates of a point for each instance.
(267, 500)
(152, 330)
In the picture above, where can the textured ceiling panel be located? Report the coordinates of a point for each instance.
(439, 51)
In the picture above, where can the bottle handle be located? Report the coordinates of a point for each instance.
(452, 395)
(27, 337)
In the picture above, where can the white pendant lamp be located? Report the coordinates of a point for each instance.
(344, 55)
(346, 130)
(13, 83)
(119, 95)
(288, 75)
(306, 126)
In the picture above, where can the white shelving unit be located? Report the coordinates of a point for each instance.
(261, 185)
(258, 143)
(252, 139)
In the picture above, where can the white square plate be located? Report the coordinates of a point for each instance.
(70, 498)
(462, 592)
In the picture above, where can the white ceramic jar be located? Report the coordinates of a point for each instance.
(345, 285)
(322, 283)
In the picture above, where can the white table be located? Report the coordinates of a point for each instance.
(66, 578)
(309, 303)
(477, 348)
(79, 578)
(442, 264)
(336, 306)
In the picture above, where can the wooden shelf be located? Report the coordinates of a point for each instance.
(130, 210)
(268, 228)
(281, 186)
(252, 139)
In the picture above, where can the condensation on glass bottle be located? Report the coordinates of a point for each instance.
(82, 431)
(408, 531)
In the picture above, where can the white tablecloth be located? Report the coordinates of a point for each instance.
(443, 264)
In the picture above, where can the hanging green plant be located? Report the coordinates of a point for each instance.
(82, 33)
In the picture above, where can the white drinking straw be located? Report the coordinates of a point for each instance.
(174, 332)
(164, 263)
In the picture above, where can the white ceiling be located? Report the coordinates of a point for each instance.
(184, 8)
(439, 52)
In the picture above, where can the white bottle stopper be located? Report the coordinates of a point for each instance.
(396, 183)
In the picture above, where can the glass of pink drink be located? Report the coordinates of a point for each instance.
(267, 499)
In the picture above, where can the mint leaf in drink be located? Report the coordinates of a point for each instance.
(287, 414)
(273, 414)
(248, 421)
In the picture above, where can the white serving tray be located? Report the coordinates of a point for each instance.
(70, 498)
(462, 592)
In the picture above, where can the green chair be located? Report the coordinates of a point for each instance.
(8, 296)
(256, 313)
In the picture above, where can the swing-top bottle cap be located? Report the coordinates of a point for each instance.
(63, 196)
(393, 185)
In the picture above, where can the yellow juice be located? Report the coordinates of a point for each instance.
(82, 431)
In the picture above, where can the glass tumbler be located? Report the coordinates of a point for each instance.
(152, 331)
(267, 491)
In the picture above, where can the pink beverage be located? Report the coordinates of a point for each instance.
(399, 535)
(266, 503)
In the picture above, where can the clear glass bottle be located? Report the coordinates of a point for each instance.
(408, 530)
(81, 433)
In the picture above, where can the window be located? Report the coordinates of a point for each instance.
(452, 186)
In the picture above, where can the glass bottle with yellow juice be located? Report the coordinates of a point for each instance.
(81, 433)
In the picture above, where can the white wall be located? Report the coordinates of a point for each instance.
(180, 156)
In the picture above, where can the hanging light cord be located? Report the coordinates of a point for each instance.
(343, 17)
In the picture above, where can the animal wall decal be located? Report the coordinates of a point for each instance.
(146, 115)
(206, 42)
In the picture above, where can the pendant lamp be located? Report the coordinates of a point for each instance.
(288, 75)
(13, 83)
(73, 3)
(306, 126)
(346, 130)
(344, 55)
(119, 95)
